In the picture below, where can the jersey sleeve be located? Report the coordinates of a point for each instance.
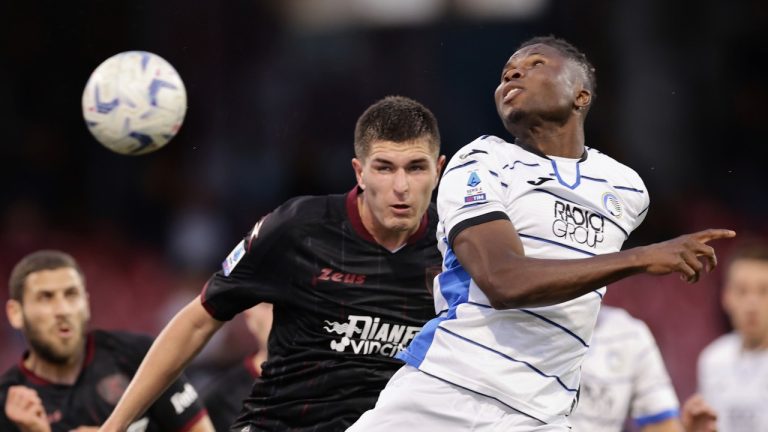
(638, 201)
(471, 192)
(653, 397)
(250, 273)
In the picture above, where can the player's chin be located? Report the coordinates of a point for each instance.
(402, 224)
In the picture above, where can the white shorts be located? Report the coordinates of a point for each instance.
(414, 401)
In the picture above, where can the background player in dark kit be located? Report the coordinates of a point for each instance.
(70, 378)
(224, 395)
(348, 278)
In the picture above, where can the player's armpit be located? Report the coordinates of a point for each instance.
(668, 425)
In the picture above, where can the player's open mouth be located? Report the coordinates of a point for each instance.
(401, 208)
(64, 331)
(514, 91)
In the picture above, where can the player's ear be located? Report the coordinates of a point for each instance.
(358, 167)
(87, 306)
(440, 166)
(15, 314)
(583, 99)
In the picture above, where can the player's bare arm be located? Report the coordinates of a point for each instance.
(24, 407)
(492, 253)
(179, 342)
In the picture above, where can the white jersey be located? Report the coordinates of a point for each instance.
(735, 383)
(526, 358)
(623, 373)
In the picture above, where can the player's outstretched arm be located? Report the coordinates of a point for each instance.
(492, 253)
(174, 348)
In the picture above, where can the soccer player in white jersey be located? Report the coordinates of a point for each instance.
(623, 373)
(733, 370)
(530, 232)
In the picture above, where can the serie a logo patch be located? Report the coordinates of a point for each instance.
(233, 258)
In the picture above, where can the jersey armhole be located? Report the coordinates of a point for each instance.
(477, 220)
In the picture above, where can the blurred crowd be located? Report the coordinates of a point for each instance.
(274, 89)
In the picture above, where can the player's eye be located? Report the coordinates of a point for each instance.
(384, 169)
(537, 62)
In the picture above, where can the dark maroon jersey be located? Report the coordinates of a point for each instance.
(224, 396)
(111, 361)
(343, 307)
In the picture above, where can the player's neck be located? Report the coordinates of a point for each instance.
(552, 140)
(65, 373)
(389, 239)
(754, 344)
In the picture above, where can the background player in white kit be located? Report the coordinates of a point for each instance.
(733, 370)
(530, 233)
(623, 373)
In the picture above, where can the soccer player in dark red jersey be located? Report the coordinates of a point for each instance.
(71, 379)
(348, 276)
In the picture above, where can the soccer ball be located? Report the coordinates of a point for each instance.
(134, 102)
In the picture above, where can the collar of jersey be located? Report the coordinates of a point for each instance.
(353, 212)
(540, 154)
(90, 348)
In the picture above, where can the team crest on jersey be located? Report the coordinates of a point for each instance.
(612, 204)
(365, 335)
(473, 180)
(233, 258)
(111, 387)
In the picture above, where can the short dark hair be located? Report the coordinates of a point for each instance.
(397, 119)
(571, 52)
(36, 261)
(749, 249)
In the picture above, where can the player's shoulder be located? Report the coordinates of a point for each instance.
(483, 147)
(307, 209)
(611, 167)
(722, 349)
(617, 320)
(12, 376)
(122, 342)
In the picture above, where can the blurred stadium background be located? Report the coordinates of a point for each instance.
(275, 88)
